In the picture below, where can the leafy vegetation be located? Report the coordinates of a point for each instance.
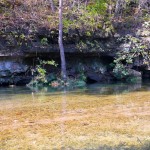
(135, 49)
(43, 77)
(86, 17)
(85, 23)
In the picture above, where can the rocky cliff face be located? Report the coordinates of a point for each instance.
(13, 72)
(98, 47)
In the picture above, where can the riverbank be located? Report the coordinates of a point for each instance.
(97, 42)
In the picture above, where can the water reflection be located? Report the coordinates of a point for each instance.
(115, 88)
(9, 92)
(64, 110)
(102, 89)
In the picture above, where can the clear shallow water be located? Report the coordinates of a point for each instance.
(95, 117)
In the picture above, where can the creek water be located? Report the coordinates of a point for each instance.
(99, 116)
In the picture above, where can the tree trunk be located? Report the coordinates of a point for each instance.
(141, 6)
(85, 4)
(52, 5)
(72, 4)
(60, 42)
(119, 7)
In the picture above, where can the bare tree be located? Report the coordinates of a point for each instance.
(85, 3)
(120, 4)
(52, 5)
(60, 42)
(72, 3)
(141, 5)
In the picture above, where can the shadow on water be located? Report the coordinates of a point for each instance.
(144, 146)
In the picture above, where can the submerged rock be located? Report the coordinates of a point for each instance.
(93, 77)
(134, 76)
